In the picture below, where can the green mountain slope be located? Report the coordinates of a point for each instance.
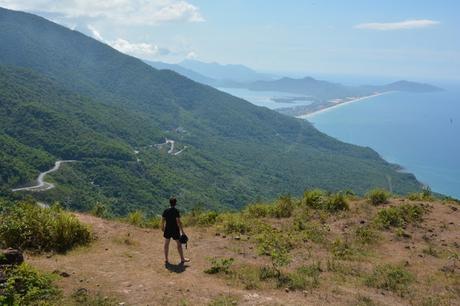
(65, 95)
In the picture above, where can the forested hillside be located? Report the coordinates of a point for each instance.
(66, 96)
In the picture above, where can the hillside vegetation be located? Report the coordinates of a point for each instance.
(319, 248)
(66, 96)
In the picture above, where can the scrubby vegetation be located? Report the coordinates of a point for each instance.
(398, 216)
(29, 226)
(27, 286)
(390, 277)
(378, 196)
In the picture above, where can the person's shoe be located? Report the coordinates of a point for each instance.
(185, 260)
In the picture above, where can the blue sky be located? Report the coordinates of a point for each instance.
(401, 39)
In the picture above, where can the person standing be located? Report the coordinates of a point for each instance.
(171, 226)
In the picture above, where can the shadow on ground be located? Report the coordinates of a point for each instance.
(179, 268)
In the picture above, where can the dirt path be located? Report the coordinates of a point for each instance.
(41, 184)
(127, 262)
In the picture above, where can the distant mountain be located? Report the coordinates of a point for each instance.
(324, 90)
(235, 73)
(193, 75)
(64, 95)
(410, 87)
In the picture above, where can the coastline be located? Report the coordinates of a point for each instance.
(305, 116)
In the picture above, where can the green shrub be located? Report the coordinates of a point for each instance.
(306, 277)
(82, 297)
(258, 210)
(232, 223)
(153, 222)
(283, 207)
(28, 226)
(390, 277)
(310, 230)
(366, 235)
(378, 196)
(342, 249)
(313, 198)
(336, 202)
(399, 216)
(220, 265)
(425, 195)
(276, 245)
(100, 210)
(200, 217)
(224, 300)
(136, 218)
(27, 286)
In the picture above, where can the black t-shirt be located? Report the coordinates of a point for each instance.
(170, 215)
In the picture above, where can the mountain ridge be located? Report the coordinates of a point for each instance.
(117, 105)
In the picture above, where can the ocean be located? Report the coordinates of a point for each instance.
(418, 131)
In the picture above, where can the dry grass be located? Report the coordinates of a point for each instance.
(334, 257)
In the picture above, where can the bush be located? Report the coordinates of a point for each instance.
(234, 223)
(425, 195)
(27, 286)
(153, 222)
(318, 199)
(336, 202)
(28, 226)
(399, 216)
(283, 208)
(220, 265)
(313, 198)
(390, 277)
(366, 235)
(306, 277)
(378, 196)
(342, 249)
(136, 218)
(100, 210)
(199, 217)
(258, 210)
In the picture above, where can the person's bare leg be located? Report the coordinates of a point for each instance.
(166, 249)
(180, 250)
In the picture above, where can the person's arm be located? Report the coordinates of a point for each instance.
(179, 223)
(162, 224)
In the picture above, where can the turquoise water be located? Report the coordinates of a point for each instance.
(420, 132)
(264, 98)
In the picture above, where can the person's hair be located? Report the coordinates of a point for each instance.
(172, 201)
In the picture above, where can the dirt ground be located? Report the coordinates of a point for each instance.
(126, 262)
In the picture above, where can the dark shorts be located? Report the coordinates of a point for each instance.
(168, 234)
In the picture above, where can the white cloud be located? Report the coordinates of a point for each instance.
(146, 12)
(95, 33)
(403, 25)
(191, 55)
(142, 50)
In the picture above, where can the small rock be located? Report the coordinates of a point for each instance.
(122, 303)
(362, 222)
(106, 249)
(223, 236)
(453, 208)
(64, 274)
(449, 267)
(305, 292)
(451, 223)
(406, 263)
(237, 238)
(286, 289)
(217, 234)
(11, 257)
(407, 247)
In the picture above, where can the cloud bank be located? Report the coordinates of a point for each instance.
(402, 25)
(121, 11)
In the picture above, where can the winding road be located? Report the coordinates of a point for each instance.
(41, 184)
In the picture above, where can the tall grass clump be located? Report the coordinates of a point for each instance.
(390, 277)
(318, 199)
(399, 216)
(313, 198)
(378, 196)
(28, 226)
